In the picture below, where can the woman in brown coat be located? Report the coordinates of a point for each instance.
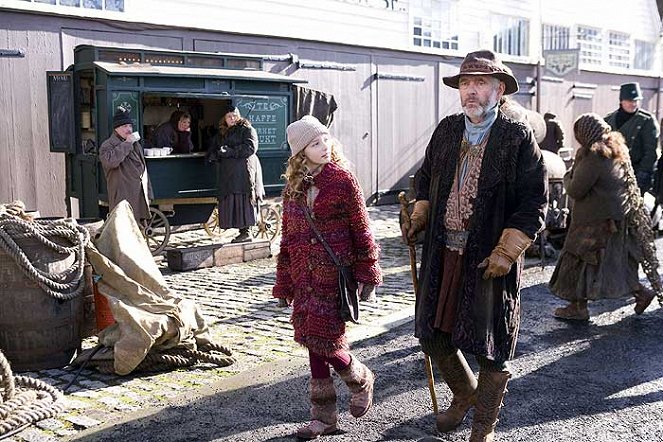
(610, 232)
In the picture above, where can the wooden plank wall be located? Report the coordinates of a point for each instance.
(383, 124)
(29, 172)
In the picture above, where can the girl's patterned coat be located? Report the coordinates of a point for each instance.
(305, 272)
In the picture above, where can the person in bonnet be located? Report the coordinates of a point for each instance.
(318, 181)
(610, 232)
(121, 157)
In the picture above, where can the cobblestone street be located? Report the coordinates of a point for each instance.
(241, 313)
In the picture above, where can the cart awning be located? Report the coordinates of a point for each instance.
(143, 69)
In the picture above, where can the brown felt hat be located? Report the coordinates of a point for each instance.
(484, 62)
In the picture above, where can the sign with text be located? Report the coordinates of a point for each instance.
(560, 62)
(61, 111)
(269, 117)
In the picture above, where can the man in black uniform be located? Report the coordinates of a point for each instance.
(641, 131)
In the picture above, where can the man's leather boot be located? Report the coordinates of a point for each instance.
(462, 383)
(490, 392)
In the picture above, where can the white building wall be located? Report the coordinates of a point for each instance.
(379, 23)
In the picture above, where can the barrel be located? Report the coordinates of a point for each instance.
(89, 326)
(37, 331)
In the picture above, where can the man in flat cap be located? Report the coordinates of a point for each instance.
(481, 197)
(121, 157)
(641, 131)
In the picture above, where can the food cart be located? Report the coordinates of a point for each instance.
(151, 84)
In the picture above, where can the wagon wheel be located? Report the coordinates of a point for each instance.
(269, 224)
(212, 225)
(157, 231)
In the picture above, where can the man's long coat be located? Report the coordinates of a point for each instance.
(126, 175)
(512, 193)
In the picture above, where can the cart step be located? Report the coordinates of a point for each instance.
(216, 255)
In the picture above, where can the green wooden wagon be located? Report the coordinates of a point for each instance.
(151, 84)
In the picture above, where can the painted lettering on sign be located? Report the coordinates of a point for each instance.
(269, 117)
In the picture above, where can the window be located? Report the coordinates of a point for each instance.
(510, 35)
(108, 5)
(590, 42)
(432, 24)
(644, 55)
(619, 49)
(556, 37)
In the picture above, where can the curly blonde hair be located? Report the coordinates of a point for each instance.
(296, 170)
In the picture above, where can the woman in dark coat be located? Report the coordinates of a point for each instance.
(234, 148)
(610, 232)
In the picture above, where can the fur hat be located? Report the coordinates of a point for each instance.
(484, 62)
(121, 118)
(630, 91)
(303, 131)
(590, 128)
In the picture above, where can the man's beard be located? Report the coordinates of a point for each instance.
(479, 110)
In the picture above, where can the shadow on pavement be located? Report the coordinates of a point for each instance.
(564, 374)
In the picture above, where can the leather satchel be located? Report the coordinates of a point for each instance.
(347, 285)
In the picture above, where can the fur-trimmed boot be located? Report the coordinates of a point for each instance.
(359, 380)
(490, 392)
(460, 379)
(324, 417)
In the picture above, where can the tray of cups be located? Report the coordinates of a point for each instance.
(158, 152)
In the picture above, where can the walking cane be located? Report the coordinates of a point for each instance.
(415, 283)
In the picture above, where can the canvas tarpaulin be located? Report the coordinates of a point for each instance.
(149, 316)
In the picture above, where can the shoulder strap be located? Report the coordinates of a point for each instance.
(329, 250)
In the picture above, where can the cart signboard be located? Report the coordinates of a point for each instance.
(269, 117)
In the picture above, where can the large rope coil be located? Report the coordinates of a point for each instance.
(16, 225)
(173, 358)
(24, 400)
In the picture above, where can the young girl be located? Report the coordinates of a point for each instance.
(306, 277)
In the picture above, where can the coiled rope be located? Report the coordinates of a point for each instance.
(24, 400)
(176, 358)
(16, 226)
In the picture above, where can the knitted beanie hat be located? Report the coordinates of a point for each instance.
(121, 118)
(303, 131)
(590, 128)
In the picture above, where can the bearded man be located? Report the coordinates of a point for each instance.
(481, 196)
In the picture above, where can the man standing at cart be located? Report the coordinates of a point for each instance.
(121, 157)
(481, 197)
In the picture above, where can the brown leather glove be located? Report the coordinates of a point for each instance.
(511, 245)
(418, 221)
